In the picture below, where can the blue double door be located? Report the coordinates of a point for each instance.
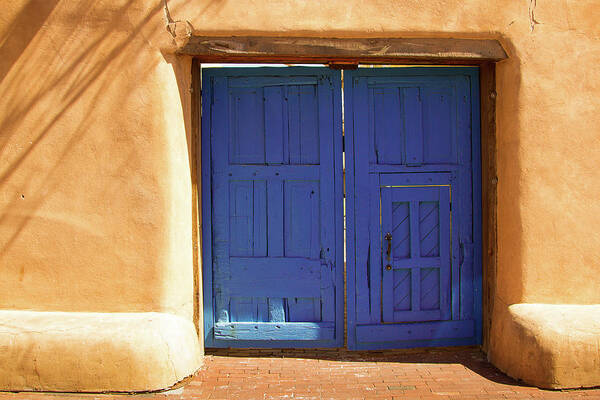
(274, 265)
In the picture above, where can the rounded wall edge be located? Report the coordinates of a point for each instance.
(96, 352)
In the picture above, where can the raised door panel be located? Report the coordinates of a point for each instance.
(246, 126)
(414, 122)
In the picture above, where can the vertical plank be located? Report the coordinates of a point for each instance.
(221, 115)
(388, 275)
(413, 125)
(327, 300)
(388, 127)
(372, 122)
(446, 262)
(326, 239)
(220, 200)
(241, 216)
(465, 205)
(467, 287)
(303, 309)
(361, 197)
(243, 309)
(338, 256)
(247, 134)
(294, 125)
(454, 250)
(326, 187)
(318, 221)
(259, 237)
(275, 217)
(375, 237)
(301, 208)
(311, 119)
(286, 124)
(276, 311)
(206, 204)
(439, 123)
(274, 128)
(262, 309)
(378, 119)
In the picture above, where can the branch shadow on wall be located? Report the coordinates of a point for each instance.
(22, 30)
(49, 109)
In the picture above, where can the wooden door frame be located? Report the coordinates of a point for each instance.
(347, 53)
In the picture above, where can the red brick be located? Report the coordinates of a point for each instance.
(436, 374)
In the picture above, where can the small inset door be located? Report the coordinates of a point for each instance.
(415, 226)
(273, 207)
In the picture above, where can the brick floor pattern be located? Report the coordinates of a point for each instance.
(459, 373)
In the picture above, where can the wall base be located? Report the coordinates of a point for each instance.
(546, 345)
(95, 352)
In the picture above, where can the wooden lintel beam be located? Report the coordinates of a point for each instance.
(343, 50)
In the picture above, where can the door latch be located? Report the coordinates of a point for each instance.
(388, 237)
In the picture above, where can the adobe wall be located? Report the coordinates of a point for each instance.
(95, 141)
(95, 193)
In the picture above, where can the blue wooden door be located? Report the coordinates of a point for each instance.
(272, 195)
(414, 270)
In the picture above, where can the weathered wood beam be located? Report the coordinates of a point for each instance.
(336, 50)
(489, 201)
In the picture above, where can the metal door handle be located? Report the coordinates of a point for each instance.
(388, 237)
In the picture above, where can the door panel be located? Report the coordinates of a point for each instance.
(275, 188)
(412, 155)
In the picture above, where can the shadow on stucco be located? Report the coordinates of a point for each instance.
(21, 30)
(63, 73)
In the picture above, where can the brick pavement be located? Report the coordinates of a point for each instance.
(459, 373)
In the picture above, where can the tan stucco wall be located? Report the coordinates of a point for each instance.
(95, 194)
(95, 134)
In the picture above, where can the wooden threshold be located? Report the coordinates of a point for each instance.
(344, 50)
